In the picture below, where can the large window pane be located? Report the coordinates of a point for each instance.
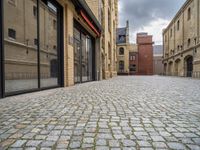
(49, 67)
(90, 59)
(84, 59)
(77, 55)
(20, 45)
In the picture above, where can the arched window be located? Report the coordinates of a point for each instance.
(121, 66)
(121, 51)
(189, 13)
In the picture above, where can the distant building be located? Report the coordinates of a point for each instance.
(127, 55)
(134, 59)
(158, 67)
(181, 40)
(145, 54)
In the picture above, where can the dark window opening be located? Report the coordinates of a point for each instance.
(121, 51)
(121, 66)
(189, 13)
(178, 25)
(189, 42)
(35, 11)
(36, 41)
(55, 24)
(133, 68)
(12, 33)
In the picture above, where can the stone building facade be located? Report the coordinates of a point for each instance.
(181, 41)
(127, 53)
(107, 14)
(134, 59)
(47, 44)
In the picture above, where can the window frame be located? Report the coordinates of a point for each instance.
(60, 47)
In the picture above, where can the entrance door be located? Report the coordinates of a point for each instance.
(84, 59)
(189, 66)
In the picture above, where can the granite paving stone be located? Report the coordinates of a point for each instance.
(122, 113)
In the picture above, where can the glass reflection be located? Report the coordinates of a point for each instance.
(48, 45)
(20, 45)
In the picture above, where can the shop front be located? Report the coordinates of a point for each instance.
(84, 55)
(47, 44)
(31, 45)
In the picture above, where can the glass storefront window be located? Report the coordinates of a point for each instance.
(48, 44)
(20, 51)
(23, 46)
(83, 60)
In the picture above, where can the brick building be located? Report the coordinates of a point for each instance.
(145, 54)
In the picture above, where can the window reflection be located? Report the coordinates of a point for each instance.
(20, 30)
(48, 45)
(21, 44)
(83, 59)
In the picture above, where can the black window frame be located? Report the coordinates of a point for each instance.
(2, 81)
(60, 47)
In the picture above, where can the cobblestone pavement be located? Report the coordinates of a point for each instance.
(122, 113)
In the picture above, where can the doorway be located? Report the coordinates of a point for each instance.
(189, 66)
(84, 56)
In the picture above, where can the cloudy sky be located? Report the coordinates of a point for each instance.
(148, 16)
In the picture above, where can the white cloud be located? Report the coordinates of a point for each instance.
(154, 28)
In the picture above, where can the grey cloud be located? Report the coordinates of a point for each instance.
(141, 12)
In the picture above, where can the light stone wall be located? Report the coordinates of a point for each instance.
(21, 53)
(177, 48)
(127, 49)
(101, 9)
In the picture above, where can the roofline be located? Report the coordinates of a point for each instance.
(81, 4)
(177, 14)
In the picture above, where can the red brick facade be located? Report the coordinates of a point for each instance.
(145, 54)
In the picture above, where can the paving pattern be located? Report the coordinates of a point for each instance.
(146, 112)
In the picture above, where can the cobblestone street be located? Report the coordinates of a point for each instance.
(121, 113)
